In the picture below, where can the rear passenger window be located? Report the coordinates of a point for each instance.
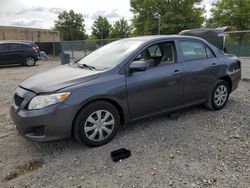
(210, 54)
(15, 46)
(26, 46)
(193, 50)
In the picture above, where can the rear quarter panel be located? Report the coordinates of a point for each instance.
(28, 52)
(231, 67)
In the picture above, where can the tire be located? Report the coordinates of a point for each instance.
(29, 61)
(219, 96)
(90, 122)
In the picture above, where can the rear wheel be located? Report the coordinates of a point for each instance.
(30, 61)
(96, 124)
(219, 96)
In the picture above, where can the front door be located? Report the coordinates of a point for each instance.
(159, 87)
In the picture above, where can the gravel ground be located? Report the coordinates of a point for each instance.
(192, 148)
(245, 68)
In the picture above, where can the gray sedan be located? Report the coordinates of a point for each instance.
(121, 82)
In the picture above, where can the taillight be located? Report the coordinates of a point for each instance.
(35, 50)
(239, 63)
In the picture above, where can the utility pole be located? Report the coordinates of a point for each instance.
(102, 33)
(159, 25)
(213, 23)
(102, 30)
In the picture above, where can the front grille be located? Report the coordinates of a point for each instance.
(18, 100)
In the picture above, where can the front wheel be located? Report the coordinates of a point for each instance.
(219, 96)
(30, 61)
(96, 124)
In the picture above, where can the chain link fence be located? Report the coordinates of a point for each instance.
(78, 49)
(238, 43)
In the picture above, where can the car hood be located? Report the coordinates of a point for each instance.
(58, 78)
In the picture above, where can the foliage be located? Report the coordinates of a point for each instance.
(175, 16)
(233, 13)
(121, 29)
(101, 28)
(70, 25)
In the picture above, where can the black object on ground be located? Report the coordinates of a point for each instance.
(120, 154)
(65, 58)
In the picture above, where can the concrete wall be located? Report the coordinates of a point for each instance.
(20, 33)
(245, 67)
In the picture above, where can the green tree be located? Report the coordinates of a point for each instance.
(233, 13)
(121, 29)
(70, 25)
(172, 16)
(101, 28)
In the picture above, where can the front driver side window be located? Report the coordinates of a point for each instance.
(155, 51)
(158, 54)
(4, 47)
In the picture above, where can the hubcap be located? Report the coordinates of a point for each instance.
(220, 95)
(30, 61)
(99, 125)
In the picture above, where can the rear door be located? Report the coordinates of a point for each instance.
(200, 70)
(158, 88)
(15, 53)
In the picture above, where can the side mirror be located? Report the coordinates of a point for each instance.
(138, 66)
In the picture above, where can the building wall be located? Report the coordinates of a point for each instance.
(20, 33)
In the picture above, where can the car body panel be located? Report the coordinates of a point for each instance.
(154, 90)
(199, 77)
(15, 55)
(58, 78)
(50, 117)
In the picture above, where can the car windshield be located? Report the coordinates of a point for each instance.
(111, 54)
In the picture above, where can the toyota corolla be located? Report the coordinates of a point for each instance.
(121, 82)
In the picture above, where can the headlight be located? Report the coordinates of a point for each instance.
(42, 101)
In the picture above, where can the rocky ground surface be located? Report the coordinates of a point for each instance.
(192, 148)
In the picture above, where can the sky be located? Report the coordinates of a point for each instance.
(43, 13)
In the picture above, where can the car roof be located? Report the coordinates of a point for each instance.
(15, 42)
(159, 37)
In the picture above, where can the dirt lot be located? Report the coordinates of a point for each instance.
(194, 148)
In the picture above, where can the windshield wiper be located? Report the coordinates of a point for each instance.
(87, 66)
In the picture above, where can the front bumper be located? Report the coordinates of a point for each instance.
(50, 123)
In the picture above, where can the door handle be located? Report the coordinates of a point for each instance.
(213, 64)
(177, 72)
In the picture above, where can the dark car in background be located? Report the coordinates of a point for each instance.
(15, 52)
(32, 43)
(121, 82)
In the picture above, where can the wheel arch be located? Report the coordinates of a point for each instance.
(111, 101)
(228, 80)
